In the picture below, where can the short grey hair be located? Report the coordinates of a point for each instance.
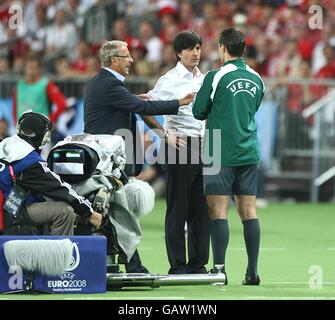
(109, 50)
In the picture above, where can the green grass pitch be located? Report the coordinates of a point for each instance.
(297, 258)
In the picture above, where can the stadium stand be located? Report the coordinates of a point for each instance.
(298, 63)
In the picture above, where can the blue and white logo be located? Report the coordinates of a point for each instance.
(75, 260)
(68, 282)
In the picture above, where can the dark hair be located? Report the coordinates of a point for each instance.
(186, 40)
(32, 57)
(234, 41)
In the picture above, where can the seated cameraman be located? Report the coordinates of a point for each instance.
(25, 178)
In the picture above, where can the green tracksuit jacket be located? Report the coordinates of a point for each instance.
(229, 98)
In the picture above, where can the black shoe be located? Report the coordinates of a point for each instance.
(177, 271)
(142, 269)
(137, 269)
(135, 265)
(201, 270)
(215, 271)
(251, 280)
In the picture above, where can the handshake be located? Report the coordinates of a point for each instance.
(187, 99)
(182, 102)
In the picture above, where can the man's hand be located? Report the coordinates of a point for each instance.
(187, 99)
(144, 96)
(175, 141)
(96, 219)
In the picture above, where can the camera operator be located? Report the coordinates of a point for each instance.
(25, 180)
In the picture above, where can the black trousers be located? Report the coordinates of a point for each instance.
(186, 203)
(135, 264)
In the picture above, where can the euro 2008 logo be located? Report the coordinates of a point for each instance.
(67, 282)
(75, 259)
(74, 263)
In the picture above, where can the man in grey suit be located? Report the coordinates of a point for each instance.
(109, 106)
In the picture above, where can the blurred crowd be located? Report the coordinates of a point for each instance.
(64, 37)
(67, 33)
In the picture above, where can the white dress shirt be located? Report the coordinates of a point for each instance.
(115, 73)
(175, 84)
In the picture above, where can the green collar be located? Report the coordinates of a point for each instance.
(235, 61)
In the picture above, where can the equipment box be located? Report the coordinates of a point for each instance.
(86, 273)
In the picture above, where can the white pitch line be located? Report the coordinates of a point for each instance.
(285, 282)
(234, 249)
(288, 298)
(304, 283)
(128, 298)
(89, 298)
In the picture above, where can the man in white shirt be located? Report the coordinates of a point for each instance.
(185, 200)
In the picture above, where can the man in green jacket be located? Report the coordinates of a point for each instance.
(228, 99)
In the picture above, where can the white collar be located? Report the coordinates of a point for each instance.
(115, 73)
(183, 71)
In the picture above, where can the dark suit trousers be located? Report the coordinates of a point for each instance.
(134, 265)
(186, 203)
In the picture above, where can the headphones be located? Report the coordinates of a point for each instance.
(41, 139)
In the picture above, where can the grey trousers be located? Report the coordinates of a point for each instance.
(58, 215)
